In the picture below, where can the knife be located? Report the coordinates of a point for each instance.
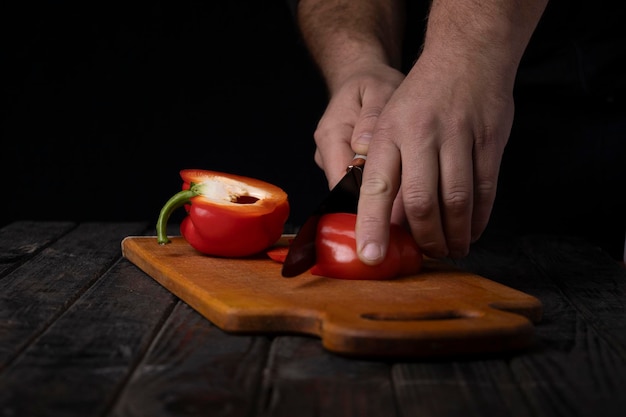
(343, 198)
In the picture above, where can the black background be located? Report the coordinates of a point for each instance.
(104, 103)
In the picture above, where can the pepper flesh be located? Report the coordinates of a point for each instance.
(227, 215)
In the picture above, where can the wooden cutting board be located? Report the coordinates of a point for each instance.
(440, 311)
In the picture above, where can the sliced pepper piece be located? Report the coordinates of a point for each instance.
(278, 253)
(228, 215)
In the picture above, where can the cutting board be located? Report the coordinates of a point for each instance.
(440, 311)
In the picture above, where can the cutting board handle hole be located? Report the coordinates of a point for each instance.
(423, 315)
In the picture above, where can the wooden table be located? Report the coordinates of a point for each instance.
(84, 332)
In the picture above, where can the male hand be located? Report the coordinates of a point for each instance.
(439, 141)
(348, 123)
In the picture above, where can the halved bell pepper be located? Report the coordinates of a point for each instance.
(227, 215)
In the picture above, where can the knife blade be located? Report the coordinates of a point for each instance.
(343, 198)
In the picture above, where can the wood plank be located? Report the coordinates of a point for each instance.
(20, 241)
(580, 369)
(33, 296)
(303, 379)
(194, 368)
(472, 388)
(590, 279)
(574, 373)
(80, 363)
(577, 367)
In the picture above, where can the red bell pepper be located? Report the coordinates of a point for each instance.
(336, 257)
(228, 215)
(335, 247)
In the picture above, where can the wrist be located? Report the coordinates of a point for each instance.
(490, 37)
(341, 36)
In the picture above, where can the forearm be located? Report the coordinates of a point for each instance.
(344, 34)
(482, 35)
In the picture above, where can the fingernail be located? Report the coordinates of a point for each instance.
(371, 252)
(364, 139)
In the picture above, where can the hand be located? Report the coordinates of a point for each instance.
(348, 122)
(439, 141)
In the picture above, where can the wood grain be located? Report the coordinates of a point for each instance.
(440, 311)
(86, 333)
(20, 241)
(36, 294)
(578, 366)
(195, 369)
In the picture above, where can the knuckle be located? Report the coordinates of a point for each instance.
(318, 158)
(384, 130)
(371, 113)
(419, 204)
(486, 187)
(376, 186)
(457, 201)
(322, 132)
(490, 142)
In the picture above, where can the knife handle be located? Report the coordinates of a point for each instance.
(358, 161)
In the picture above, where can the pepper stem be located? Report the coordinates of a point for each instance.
(178, 200)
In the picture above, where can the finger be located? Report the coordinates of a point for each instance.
(362, 135)
(336, 158)
(420, 190)
(334, 151)
(364, 128)
(372, 103)
(381, 178)
(456, 194)
(397, 211)
(486, 169)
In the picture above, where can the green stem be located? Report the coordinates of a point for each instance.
(178, 200)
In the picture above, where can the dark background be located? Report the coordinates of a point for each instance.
(104, 103)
